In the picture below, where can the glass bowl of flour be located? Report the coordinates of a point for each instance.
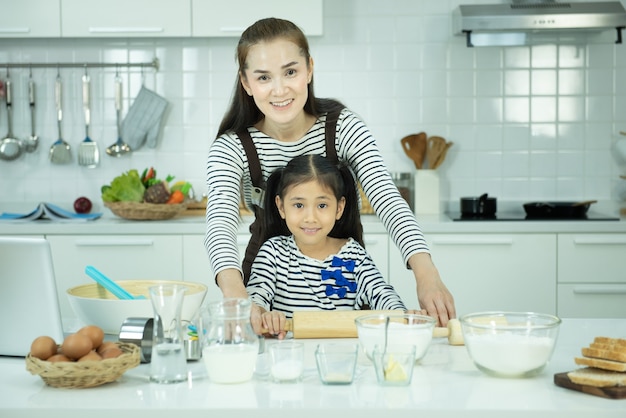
(406, 329)
(510, 344)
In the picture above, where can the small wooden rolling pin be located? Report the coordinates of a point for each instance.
(340, 324)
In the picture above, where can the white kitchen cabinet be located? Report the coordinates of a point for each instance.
(377, 246)
(125, 18)
(230, 18)
(592, 275)
(30, 18)
(119, 257)
(514, 272)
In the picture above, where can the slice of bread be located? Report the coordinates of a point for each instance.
(591, 376)
(609, 354)
(611, 341)
(616, 366)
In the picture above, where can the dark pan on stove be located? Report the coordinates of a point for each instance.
(560, 210)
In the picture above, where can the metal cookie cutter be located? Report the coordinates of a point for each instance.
(138, 331)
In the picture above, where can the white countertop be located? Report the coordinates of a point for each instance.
(430, 224)
(445, 384)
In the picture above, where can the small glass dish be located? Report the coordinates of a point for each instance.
(336, 363)
(394, 365)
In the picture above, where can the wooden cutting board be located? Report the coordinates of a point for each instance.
(613, 392)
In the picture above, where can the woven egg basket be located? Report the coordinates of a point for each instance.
(145, 211)
(85, 374)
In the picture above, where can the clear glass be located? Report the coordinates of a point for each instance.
(168, 362)
(402, 329)
(230, 345)
(394, 364)
(287, 361)
(336, 363)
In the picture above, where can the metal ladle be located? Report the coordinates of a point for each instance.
(119, 148)
(10, 147)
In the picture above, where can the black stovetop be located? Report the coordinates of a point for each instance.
(521, 216)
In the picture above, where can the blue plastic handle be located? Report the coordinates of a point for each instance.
(109, 284)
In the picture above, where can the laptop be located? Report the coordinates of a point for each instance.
(29, 306)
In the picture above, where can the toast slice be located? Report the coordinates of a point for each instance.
(605, 354)
(616, 366)
(620, 342)
(591, 376)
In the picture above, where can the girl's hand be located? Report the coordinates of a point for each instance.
(274, 324)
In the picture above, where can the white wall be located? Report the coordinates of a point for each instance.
(527, 122)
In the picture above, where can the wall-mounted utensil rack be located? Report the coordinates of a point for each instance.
(152, 64)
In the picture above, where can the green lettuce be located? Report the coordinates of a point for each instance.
(124, 188)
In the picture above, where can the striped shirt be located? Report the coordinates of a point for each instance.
(283, 279)
(227, 169)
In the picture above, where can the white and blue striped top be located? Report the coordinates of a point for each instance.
(283, 279)
(227, 168)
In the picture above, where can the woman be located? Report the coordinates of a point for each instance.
(274, 117)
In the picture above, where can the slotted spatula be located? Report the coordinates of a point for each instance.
(60, 151)
(88, 152)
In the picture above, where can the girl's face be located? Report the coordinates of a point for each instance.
(310, 211)
(277, 77)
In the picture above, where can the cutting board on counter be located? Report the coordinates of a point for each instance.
(613, 392)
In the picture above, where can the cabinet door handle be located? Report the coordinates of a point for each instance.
(114, 242)
(600, 290)
(600, 241)
(120, 29)
(473, 241)
(15, 30)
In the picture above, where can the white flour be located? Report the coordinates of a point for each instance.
(398, 334)
(509, 354)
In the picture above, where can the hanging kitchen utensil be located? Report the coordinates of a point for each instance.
(33, 141)
(435, 146)
(10, 147)
(119, 148)
(414, 147)
(558, 210)
(60, 151)
(88, 152)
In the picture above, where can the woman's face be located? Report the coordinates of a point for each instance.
(277, 77)
(310, 211)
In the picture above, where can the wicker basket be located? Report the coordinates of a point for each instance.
(85, 374)
(145, 211)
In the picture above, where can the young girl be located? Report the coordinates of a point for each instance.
(313, 255)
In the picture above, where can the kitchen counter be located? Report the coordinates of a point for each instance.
(430, 224)
(445, 384)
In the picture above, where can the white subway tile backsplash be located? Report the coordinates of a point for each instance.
(528, 123)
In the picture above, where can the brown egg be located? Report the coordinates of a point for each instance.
(112, 352)
(91, 356)
(76, 345)
(43, 347)
(94, 332)
(105, 346)
(58, 358)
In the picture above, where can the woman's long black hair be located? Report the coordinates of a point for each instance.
(313, 167)
(243, 112)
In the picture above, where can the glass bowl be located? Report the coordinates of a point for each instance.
(408, 329)
(510, 344)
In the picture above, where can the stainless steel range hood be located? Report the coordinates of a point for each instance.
(539, 16)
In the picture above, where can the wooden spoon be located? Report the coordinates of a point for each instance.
(442, 156)
(415, 148)
(435, 147)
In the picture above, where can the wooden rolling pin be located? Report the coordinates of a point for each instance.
(340, 324)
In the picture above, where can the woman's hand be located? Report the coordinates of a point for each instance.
(274, 323)
(432, 294)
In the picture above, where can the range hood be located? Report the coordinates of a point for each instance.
(539, 16)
